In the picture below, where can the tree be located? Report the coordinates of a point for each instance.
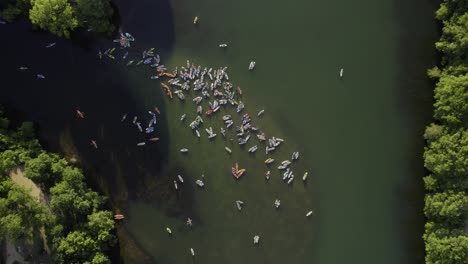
(451, 96)
(14, 8)
(447, 158)
(20, 213)
(100, 258)
(95, 14)
(447, 207)
(76, 247)
(26, 130)
(4, 122)
(39, 170)
(72, 204)
(73, 177)
(446, 250)
(433, 132)
(12, 226)
(453, 42)
(430, 183)
(100, 224)
(55, 16)
(8, 160)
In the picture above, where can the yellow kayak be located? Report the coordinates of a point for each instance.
(169, 230)
(195, 20)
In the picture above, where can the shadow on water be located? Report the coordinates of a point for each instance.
(104, 90)
(417, 35)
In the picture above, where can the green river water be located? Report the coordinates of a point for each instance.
(360, 136)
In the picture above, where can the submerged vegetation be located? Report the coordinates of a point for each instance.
(61, 17)
(71, 220)
(446, 156)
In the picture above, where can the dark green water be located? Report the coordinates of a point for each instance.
(359, 136)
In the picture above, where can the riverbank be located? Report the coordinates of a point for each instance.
(73, 212)
(17, 252)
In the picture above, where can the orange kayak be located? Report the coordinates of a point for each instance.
(119, 216)
(169, 92)
(165, 86)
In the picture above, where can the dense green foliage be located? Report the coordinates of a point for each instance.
(61, 17)
(55, 16)
(95, 14)
(446, 156)
(20, 214)
(78, 230)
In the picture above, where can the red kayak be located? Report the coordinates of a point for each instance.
(236, 172)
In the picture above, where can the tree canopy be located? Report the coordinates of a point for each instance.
(451, 96)
(95, 14)
(77, 227)
(20, 214)
(61, 17)
(446, 156)
(55, 16)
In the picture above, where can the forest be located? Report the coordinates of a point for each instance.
(446, 154)
(62, 17)
(71, 224)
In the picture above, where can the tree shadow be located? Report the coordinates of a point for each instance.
(416, 54)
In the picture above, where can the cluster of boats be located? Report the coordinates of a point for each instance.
(213, 87)
(125, 39)
(213, 92)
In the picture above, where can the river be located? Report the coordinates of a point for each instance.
(360, 136)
